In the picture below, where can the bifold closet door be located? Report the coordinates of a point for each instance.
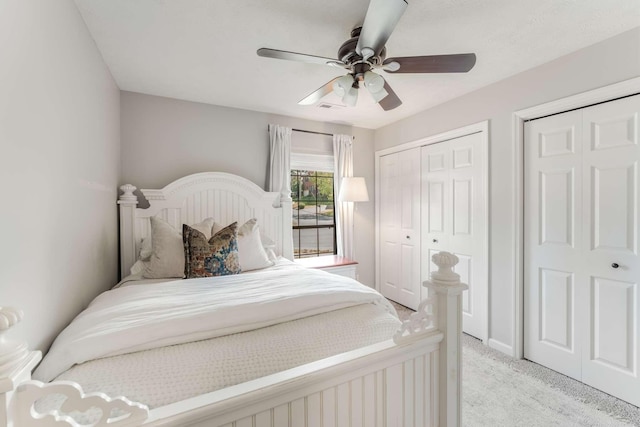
(454, 218)
(555, 281)
(399, 222)
(611, 188)
(582, 265)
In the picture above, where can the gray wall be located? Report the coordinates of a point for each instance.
(59, 166)
(164, 139)
(608, 62)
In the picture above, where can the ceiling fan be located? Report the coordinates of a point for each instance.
(365, 51)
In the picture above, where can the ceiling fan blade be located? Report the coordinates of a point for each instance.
(458, 63)
(390, 101)
(380, 21)
(300, 57)
(318, 94)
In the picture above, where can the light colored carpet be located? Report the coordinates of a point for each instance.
(502, 392)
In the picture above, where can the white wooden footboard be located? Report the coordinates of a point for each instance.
(372, 386)
(412, 380)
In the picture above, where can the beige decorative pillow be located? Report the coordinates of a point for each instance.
(217, 256)
(167, 259)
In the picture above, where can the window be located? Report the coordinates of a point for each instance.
(314, 231)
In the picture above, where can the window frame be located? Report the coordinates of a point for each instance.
(296, 198)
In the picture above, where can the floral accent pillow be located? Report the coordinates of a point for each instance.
(217, 256)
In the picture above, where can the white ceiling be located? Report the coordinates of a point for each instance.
(205, 50)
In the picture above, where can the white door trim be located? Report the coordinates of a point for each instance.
(603, 94)
(441, 137)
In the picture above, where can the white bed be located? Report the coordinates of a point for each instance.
(162, 342)
(277, 346)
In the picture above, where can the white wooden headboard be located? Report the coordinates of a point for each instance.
(222, 196)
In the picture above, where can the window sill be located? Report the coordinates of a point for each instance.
(332, 264)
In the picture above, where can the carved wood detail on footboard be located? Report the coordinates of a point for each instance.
(412, 380)
(116, 412)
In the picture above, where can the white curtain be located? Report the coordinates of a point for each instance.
(280, 160)
(343, 167)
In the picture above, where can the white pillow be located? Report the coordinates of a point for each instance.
(269, 247)
(167, 259)
(251, 253)
(146, 249)
(268, 244)
(271, 253)
(138, 267)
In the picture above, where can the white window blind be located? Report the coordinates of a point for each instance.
(311, 152)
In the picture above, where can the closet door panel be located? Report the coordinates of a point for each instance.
(435, 189)
(454, 218)
(399, 227)
(554, 281)
(468, 227)
(409, 238)
(389, 227)
(611, 354)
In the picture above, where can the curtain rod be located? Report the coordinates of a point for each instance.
(311, 131)
(314, 132)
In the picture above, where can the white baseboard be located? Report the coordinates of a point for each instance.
(501, 347)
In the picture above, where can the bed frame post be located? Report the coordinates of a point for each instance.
(16, 363)
(448, 293)
(287, 222)
(128, 202)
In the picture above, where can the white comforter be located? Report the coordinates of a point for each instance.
(139, 318)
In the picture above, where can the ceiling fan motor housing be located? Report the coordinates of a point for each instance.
(347, 52)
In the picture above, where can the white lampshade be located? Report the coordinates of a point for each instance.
(375, 85)
(342, 85)
(346, 87)
(351, 97)
(353, 189)
(374, 82)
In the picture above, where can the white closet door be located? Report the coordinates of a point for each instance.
(454, 218)
(582, 265)
(554, 279)
(389, 226)
(611, 354)
(399, 222)
(409, 238)
(436, 204)
(468, 228)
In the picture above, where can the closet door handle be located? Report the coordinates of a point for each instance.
(435, 240)
(409, 237)
(615, 265)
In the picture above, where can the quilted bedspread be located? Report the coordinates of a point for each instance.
(135, 319)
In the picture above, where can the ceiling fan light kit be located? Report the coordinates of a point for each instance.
(373, 81)
(342, 85)
(365, 51)
(351, 97)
